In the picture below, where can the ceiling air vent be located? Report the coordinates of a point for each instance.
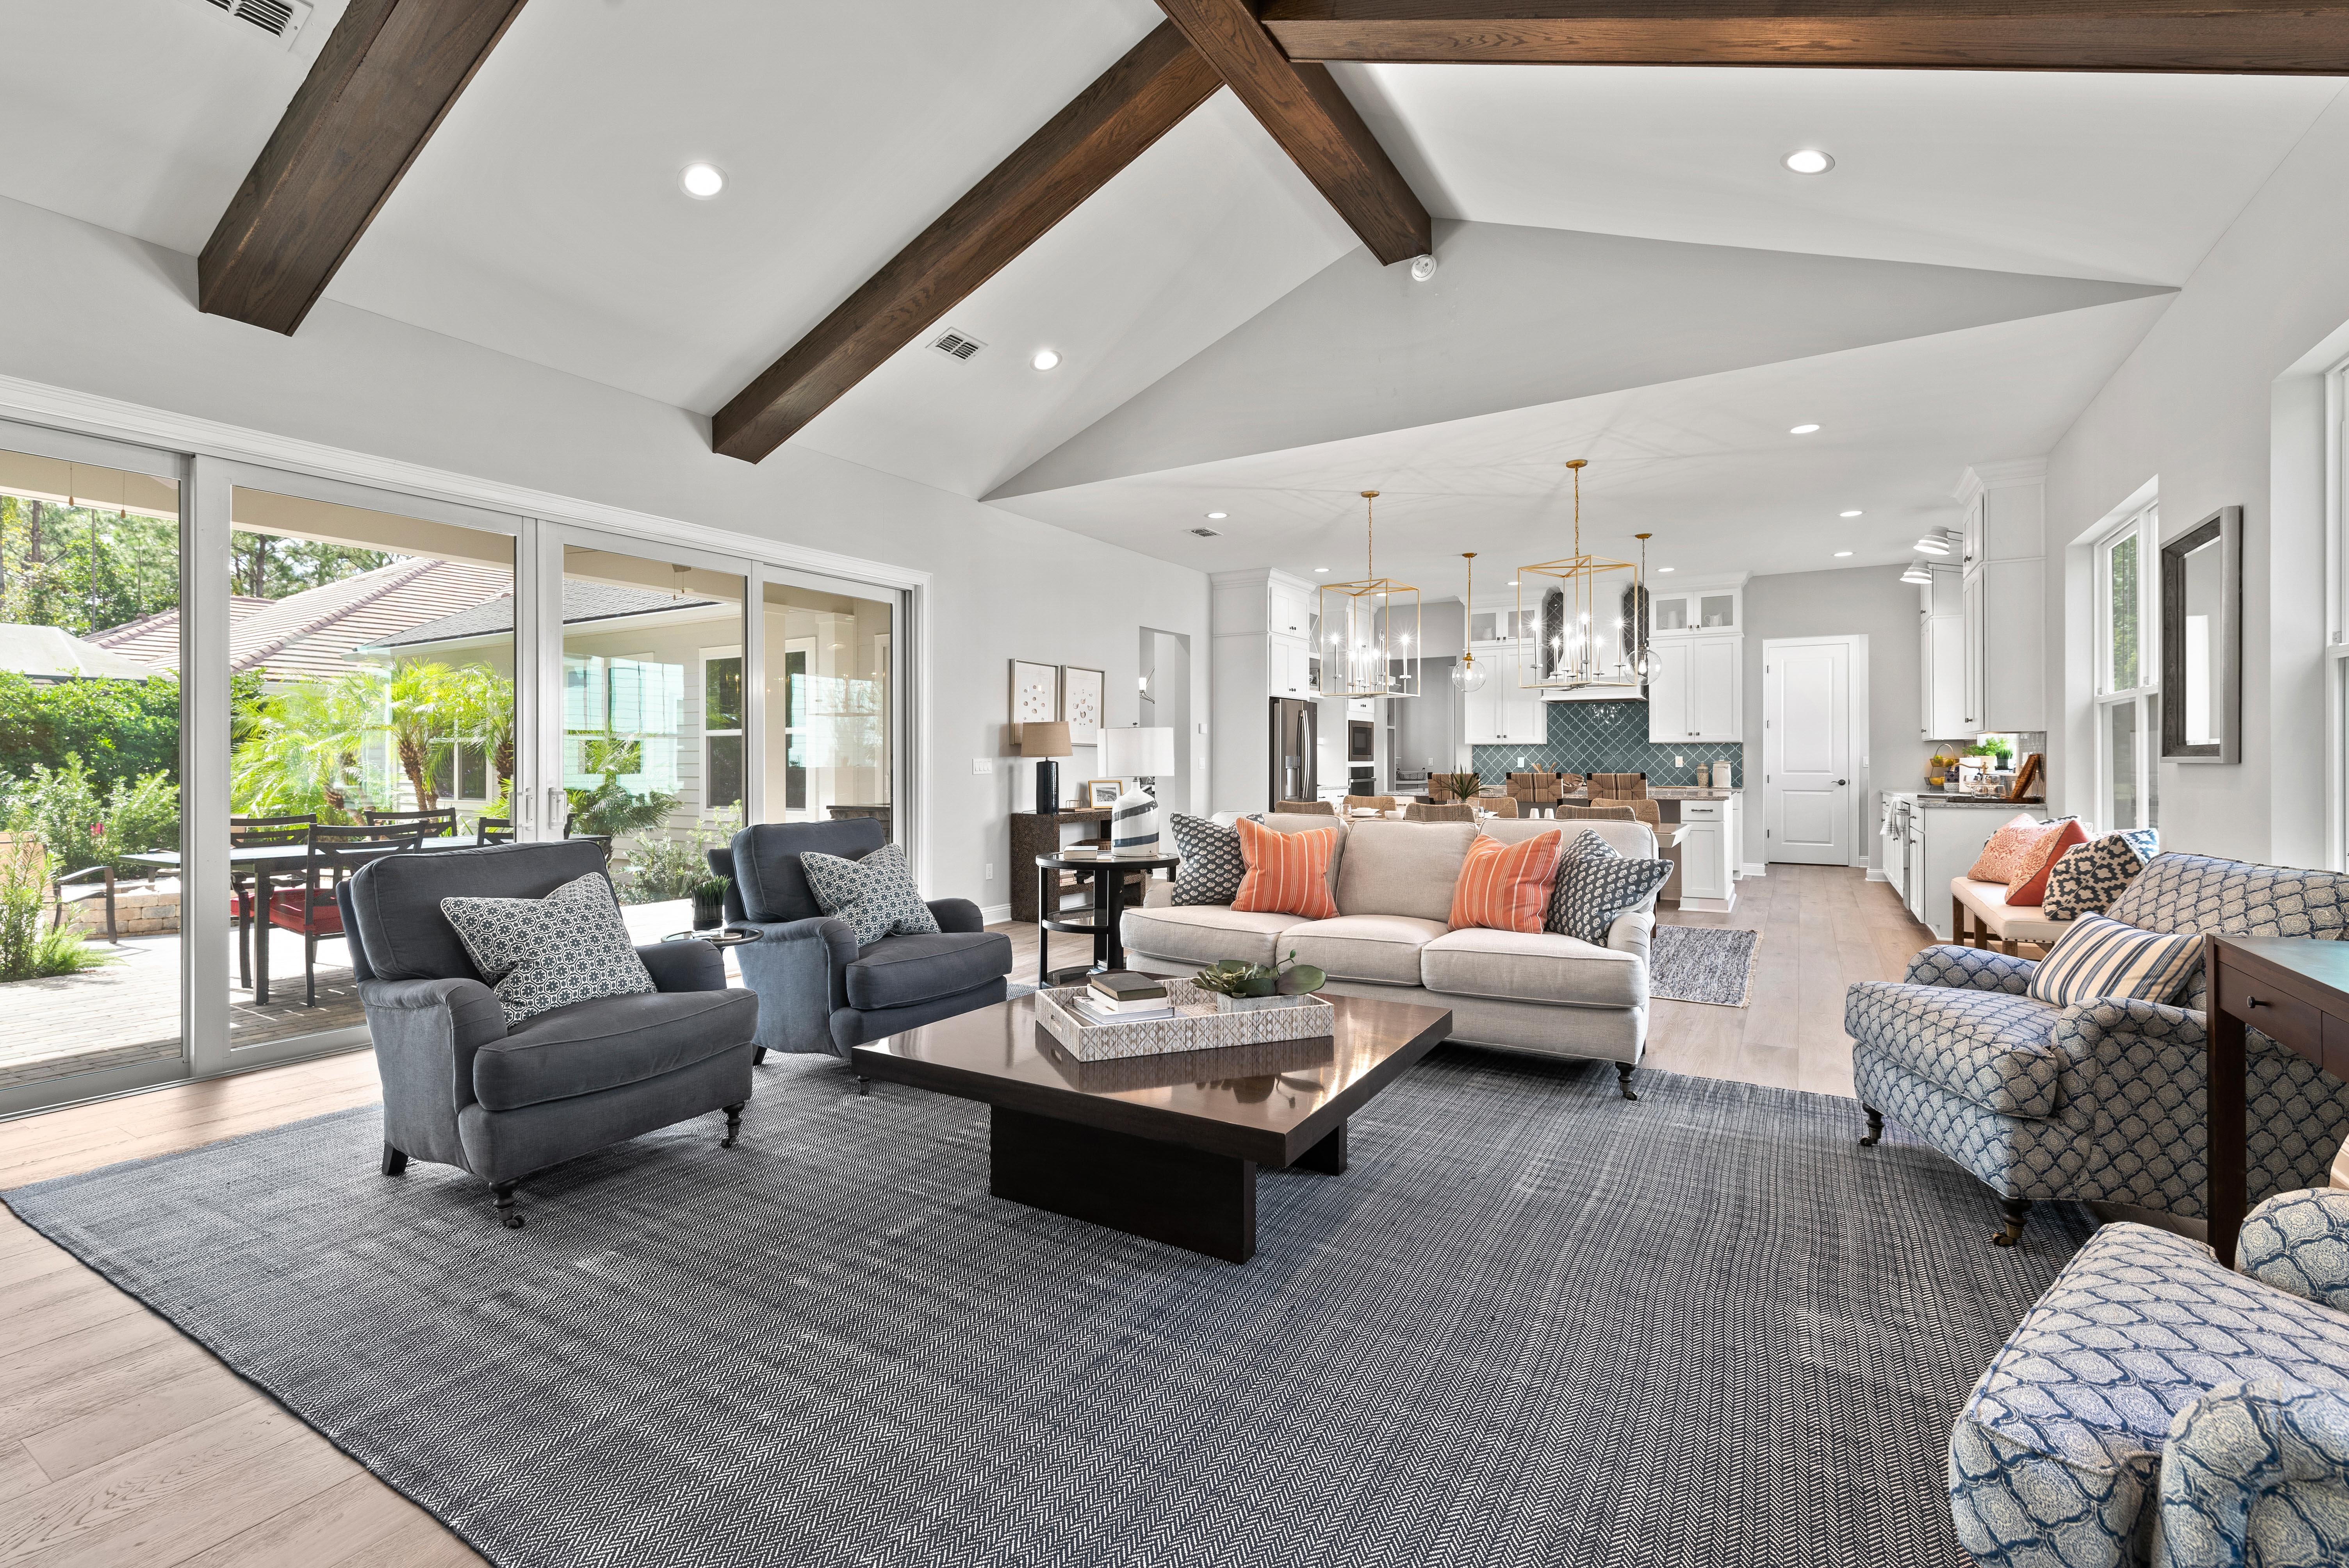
(954, 346)
(281, 19)
(1208, 532)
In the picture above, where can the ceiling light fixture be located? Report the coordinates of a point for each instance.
(702, 181)
(1321, 569)
(1561, 643)
(1851, 514)
(1465, 675)
(1046, 359)
(1810, 160)
(1919, 574)
(1841, 553)
(1367, 622)
(1217, 516)
(1940, 541)
(1662, 570)
(1422, 268)
(1804, 431)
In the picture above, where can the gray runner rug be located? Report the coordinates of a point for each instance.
(1534, 1323)
(1709, 964)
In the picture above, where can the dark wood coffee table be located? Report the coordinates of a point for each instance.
(1166, 1147)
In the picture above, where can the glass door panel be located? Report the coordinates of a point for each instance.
(830, 707)
(90, 965)
(653, 723)
(372, 705)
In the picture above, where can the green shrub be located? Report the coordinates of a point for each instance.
(28, 949)
(80, 825)
(120, 729)
(672, 865)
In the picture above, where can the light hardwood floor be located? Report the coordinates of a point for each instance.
(122, 1442)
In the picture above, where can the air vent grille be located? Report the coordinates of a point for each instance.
(281, 19)
(954, 346)
(1208, 532)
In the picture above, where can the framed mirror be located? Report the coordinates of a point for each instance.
(2202, 641)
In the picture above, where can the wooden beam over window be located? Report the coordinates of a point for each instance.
(1106, 127)
(1313, 121)
(2308, 37)
(388, 72)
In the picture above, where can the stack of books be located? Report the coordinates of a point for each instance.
(1121, 996)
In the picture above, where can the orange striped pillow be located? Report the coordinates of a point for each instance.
(1287, 874)
(1506, 887)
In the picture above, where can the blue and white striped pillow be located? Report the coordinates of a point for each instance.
(2100, 960)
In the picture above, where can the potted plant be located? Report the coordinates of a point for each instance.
(1458, 786)
(1238, 986)
(709, 902)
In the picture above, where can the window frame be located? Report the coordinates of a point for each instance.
(2143, 525)
(2336, 614)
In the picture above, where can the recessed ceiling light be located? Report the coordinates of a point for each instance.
(1513, 581)
(702, 181)
(1810, 160)
(1851, 514)
(1667, 569)
(1323, 569)
(1804, 431)
(1841, 553)
(1046, 359)
(1219, 516)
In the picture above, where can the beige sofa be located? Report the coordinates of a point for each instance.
(1393, 881)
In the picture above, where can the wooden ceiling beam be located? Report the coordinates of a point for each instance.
(388, 73)
(1301, 106)
(1133, 103)
(2304, 37)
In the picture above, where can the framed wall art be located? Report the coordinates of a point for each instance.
(1035, 693)
(1083, 693)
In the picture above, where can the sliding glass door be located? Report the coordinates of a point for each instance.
(830, 707)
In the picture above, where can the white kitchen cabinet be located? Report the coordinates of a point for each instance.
(2005, 597)
(1498, 713)
(1694, 611)
(1710, 843)
(1977, 623)
(1697, 691)
(1942, 656)
(1291, 664)
(1291, 609)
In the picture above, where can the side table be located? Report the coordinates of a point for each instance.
(2295, 991)
(1107, 873)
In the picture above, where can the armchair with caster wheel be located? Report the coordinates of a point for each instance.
(460, 1087)
(817, 990)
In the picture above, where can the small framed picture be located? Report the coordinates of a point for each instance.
(1083, 693)
(1035, 693)
(1104, 791)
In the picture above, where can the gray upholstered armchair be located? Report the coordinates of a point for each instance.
(818, 991)
(462, 1088)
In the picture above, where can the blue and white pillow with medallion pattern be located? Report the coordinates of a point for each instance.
(875, 896)
(541, 953)
(2091, 877)
(1596, 884)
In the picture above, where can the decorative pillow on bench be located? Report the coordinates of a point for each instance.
(2028, 886)
(1597, 884)
(875, 896)
(2090, 878)
(541, 953)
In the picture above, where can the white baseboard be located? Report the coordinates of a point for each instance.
(1753, 869)
(994, 913)
(1875, 875)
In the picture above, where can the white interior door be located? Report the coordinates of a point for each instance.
(1807, 761)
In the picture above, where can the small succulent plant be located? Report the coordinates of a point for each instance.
(1238, 977)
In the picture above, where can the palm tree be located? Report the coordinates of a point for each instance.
(301, 747)
(421, 702)
(478, 704)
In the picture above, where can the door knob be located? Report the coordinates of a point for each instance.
(1842, 783)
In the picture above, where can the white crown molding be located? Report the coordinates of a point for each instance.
(1983, 475)
(91, 414)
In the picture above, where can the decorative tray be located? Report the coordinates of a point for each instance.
(1195, 1026)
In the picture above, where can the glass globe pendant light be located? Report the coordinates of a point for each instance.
(1645, 660)
(1466, 674)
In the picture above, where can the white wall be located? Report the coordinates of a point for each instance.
(90, 310)
(1870, 601)
(2222, 405)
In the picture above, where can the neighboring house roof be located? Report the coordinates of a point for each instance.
(311, 636)
(581, 601)
(53, 653)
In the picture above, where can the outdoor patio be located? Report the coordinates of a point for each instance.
(129, 1011)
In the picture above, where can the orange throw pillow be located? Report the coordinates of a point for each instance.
(1506, 887)
(2011, 851)
(2029, 888)
(1287, 874)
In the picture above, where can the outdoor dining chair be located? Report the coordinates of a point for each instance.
(312, 908)
(257, 833)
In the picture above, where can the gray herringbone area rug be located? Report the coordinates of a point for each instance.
(1534, 1323)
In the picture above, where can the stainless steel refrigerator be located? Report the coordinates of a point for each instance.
(1292, 750)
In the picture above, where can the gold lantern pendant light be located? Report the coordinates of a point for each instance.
(1570, 637)
(1466, 674)
(1370, 629)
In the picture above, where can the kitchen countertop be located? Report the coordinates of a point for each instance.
(1666, 792)
(1937, 798)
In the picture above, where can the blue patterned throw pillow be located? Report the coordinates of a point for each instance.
(2102, 960)
(541, 953)
(2091, 877)
(1211, 866)
(875, 896)
(1593, 889)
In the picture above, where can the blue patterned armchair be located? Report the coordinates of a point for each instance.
(2159, 1410)
(2102, 1101)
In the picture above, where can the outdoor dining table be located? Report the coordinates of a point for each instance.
(261, 862)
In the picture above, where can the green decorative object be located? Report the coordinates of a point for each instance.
(1238, 977)
(1463, 786)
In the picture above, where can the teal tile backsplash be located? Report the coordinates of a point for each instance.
(1607, 738)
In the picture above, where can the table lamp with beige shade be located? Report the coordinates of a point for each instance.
(1045, 744)
(1143, 754)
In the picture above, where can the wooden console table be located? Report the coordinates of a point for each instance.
(2295, 991)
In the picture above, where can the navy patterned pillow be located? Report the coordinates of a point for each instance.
(2091, 877)
(541, 953)
(1593, 889)
(875, 896)
(1211, 866)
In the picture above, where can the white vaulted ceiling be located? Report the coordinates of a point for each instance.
(544, 220)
